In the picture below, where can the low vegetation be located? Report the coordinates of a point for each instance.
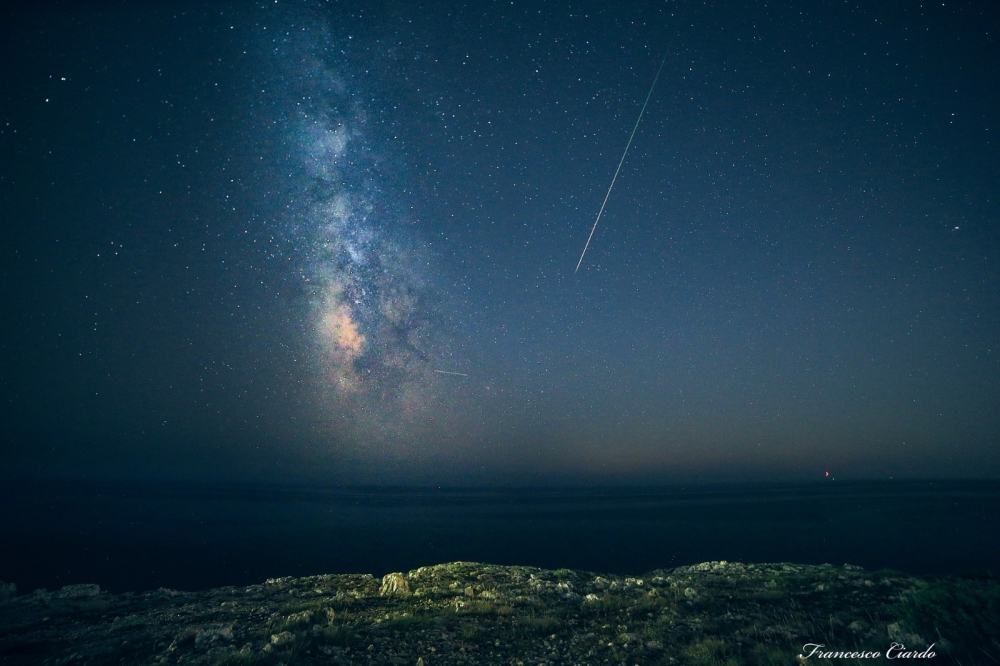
(710, 614)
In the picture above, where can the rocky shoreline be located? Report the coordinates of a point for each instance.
(478, 614)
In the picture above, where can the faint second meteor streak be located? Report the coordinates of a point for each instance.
(622, 160)
(445, 372)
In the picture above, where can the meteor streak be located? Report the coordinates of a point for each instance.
(622, 160)
(445, 372)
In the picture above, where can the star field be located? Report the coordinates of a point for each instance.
(337, 240)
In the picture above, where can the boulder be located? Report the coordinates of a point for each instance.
(394, 584)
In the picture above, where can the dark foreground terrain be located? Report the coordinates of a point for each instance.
(468, 613)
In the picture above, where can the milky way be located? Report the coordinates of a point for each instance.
(373, 307)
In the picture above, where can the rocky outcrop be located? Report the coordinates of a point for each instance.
(394, 584)
(479, 614)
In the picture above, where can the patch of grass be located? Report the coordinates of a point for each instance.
(606, 602)
(186, 635)
(776, 593)
(532, 625)
(639, 605)
(300, 606)
(478, 607)
(468, 631)
(770, 655)
(709, 652)
(664, 621)
(241, 658)
(129, 621)
(339, 635)
(284, 625)
(414, 621)
(719, 626)
(965, 613)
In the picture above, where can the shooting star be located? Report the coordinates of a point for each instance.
(622, 160)
(445, 372)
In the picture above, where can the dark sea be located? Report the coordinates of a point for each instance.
(134, 537)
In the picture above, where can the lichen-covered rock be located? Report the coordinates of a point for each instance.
(282, 639)
(394, 584)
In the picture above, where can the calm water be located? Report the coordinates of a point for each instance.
(137, 537)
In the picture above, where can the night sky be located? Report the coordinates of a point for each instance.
(336, 241)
